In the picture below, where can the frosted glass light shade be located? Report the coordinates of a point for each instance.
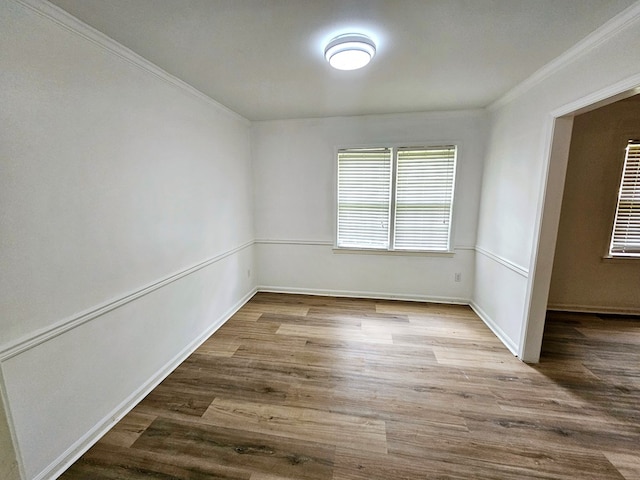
(350, 51)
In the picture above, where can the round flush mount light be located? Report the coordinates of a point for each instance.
(350, 51)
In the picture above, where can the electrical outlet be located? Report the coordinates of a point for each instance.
(457, 276)
(249, 273)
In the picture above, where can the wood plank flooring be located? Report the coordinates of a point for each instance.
(318, 388)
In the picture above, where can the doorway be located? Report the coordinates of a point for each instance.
(559, 128)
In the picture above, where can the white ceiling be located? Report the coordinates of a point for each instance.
(264, 58)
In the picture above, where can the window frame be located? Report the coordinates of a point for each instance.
(394, 146)
(625, 140)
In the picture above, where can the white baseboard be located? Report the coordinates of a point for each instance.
(593, 309)
(62, 326)
(75, 451)
(364, 294)
(488, 321)
(493, 326)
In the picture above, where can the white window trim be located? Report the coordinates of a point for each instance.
(450, 252)
(620, 257)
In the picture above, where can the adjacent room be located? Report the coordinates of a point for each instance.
(333, 239)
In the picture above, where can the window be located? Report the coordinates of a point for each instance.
(396, 198)
(625, 239)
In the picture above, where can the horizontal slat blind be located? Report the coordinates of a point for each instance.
(424, 195)
(626, 229)
(364, 193)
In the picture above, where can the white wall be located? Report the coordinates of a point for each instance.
(515, 176)
(127, 229)
(294, 184)
(8, 463)
(127, 226)
(581, 278)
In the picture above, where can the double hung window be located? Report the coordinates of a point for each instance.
(625, 238)
(396, 198)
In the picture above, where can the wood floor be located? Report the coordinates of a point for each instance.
(299, 387)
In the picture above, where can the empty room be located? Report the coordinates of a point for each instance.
(319, 239)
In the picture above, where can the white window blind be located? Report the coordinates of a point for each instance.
(625, 239)
(396, 198)
(364, 197)
(424, 194)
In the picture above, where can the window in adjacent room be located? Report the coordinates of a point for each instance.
(398, 198)
(625, 238)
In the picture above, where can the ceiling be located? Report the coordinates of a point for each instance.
(264, 58)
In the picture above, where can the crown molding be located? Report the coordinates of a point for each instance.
(81, 29)
(612, 93)
(584, 46)
(429, 114)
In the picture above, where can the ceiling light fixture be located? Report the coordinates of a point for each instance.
(350, 51)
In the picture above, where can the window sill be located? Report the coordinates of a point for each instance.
(381, 251)
(621, 259)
